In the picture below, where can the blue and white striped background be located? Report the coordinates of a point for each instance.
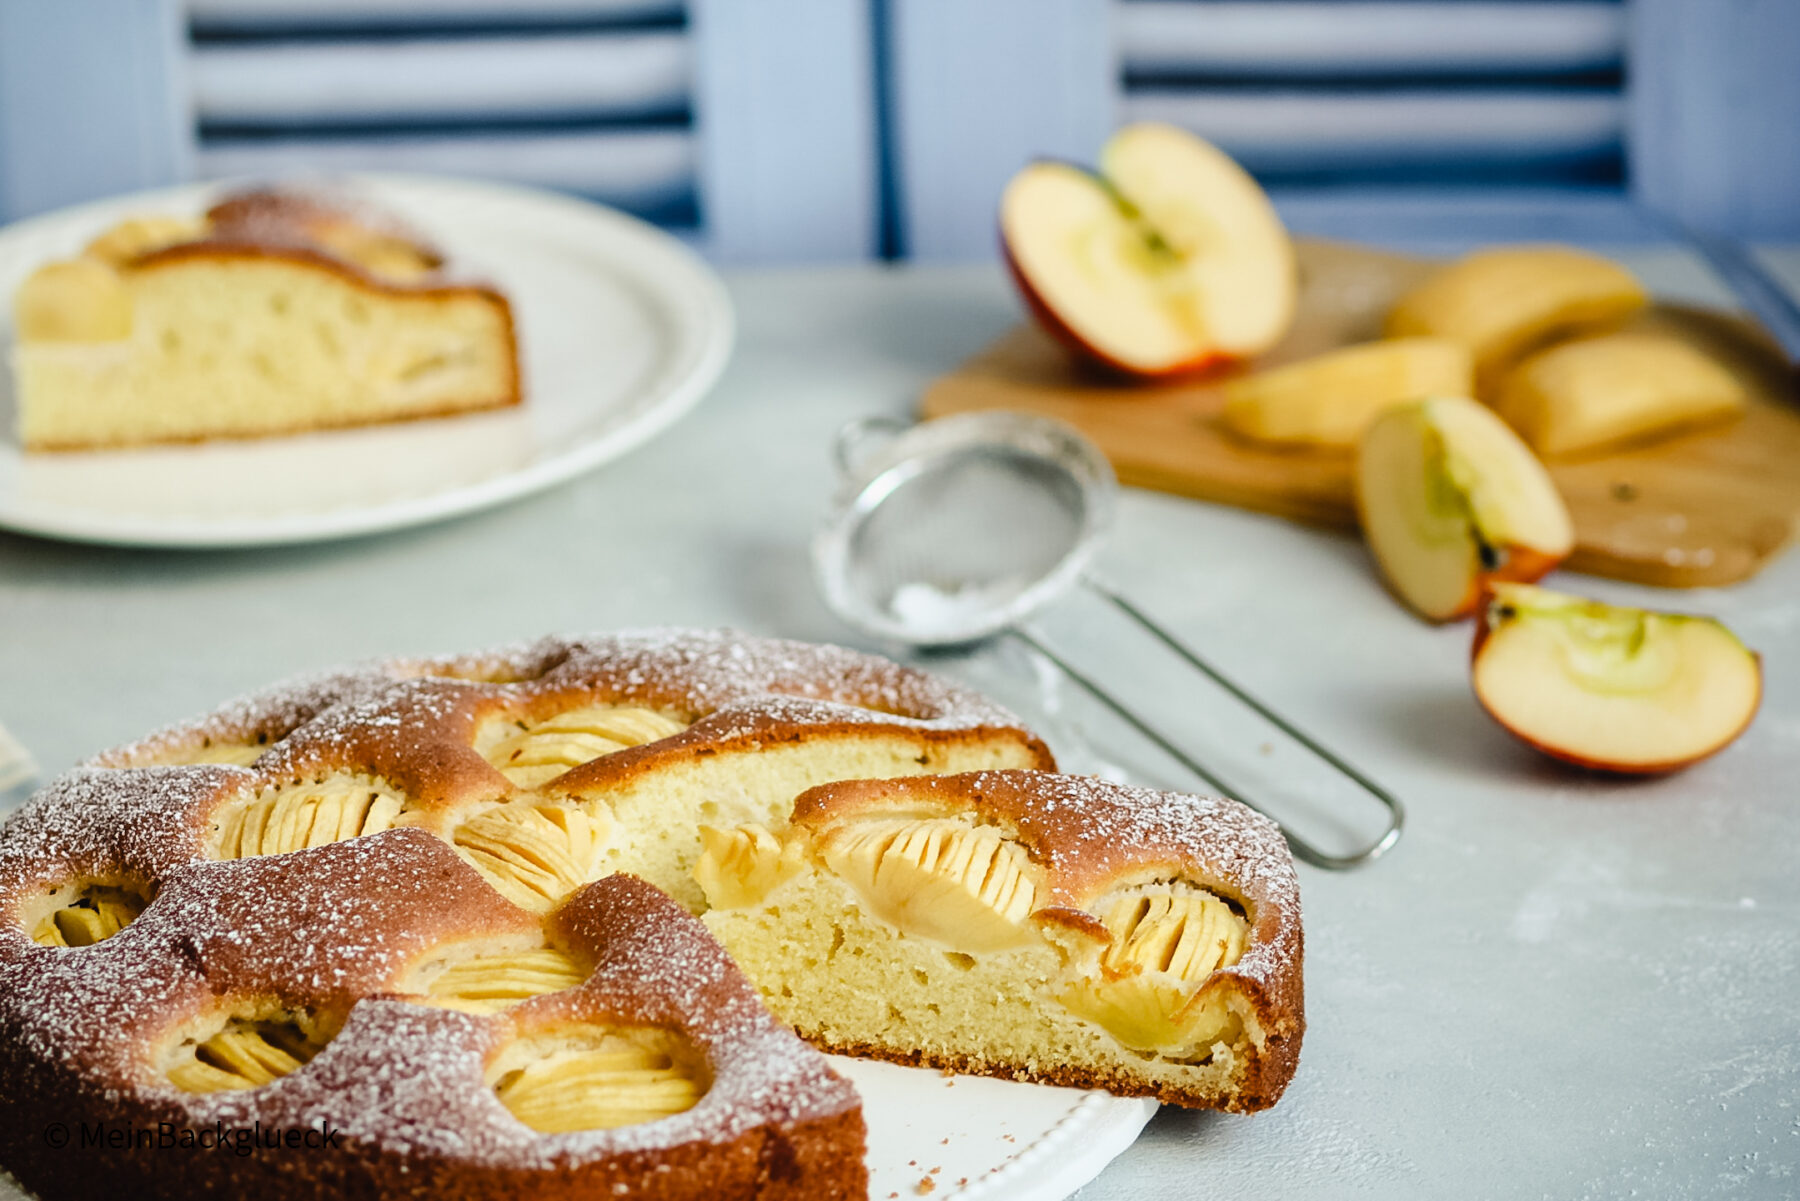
(845, 129)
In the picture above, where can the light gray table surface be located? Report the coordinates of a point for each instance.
(1557, 985)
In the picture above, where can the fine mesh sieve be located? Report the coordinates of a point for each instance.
(955, 531)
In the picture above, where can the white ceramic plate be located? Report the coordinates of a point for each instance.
(976, 1139)
(621, 330)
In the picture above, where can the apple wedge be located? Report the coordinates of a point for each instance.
(1450, 500)
(1592, 393)
(1169, 259)
(1506, 301)
(1330, 399)
(1611, 688)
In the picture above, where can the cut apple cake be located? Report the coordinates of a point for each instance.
(1029, 925)
(274, 313)
(428, 904)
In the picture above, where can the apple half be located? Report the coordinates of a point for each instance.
(1611, 688)
(1169, 259)
(1451, 500)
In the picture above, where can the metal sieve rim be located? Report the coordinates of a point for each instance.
(866, 482)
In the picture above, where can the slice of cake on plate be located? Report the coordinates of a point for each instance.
(274, 313)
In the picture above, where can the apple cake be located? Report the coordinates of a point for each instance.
(372, 903)
(273, 313)
(439, 915)
(1028, 925)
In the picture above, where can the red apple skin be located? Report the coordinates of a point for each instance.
(1523, 565)
(1208, 360)
(1483, 631)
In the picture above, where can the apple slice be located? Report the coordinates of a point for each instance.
(1593, 393)
(1451, 499)
(1330, 399)
(1508, 300)
(1169, 260)
(1612, 688)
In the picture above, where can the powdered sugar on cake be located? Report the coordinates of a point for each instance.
(740, 682)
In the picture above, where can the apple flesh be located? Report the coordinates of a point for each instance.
(73, 300)
(1506, 301)
(1169, 259)
(1451, 500)
(1330, 399)
(1611, 688)
(1594, 393)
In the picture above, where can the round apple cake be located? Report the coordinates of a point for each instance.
(428, 927)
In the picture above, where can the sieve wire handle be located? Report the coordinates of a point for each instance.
(1301, 848)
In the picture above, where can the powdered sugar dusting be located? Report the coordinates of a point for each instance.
(104, 824)
(331, 929)
(411, 721)
(1094, 832)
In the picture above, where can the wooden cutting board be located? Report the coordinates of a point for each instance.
(1704, 508)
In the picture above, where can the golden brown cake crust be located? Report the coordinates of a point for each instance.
(1091, 836)
(287, 215)
(307, 254)
(56, 446)
(412, 722)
